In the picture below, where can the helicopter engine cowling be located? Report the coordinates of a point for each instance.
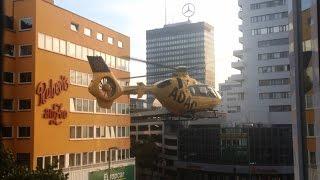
(103, 85)
(105, 88)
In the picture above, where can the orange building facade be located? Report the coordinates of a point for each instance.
(48, 115)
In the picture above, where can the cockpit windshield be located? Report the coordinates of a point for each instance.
(202, 90)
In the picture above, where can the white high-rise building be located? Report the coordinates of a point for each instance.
(263, 63)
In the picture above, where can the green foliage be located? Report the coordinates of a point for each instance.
(10, 170)
(146, 153)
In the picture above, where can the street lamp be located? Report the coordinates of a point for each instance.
(109, 162)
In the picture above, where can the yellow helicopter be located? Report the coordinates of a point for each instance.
(179, 94)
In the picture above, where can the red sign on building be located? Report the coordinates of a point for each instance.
(49, 91)
(55, 114)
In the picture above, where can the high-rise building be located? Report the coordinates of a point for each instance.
(264, 63)
(232, 96)
(47, 114)
(244, 152)
(181, 44)
(304, 59)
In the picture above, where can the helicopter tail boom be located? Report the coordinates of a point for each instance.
(140, 89)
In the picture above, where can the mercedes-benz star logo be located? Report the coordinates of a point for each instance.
(188, 10)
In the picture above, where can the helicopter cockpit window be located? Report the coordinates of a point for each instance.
(192, 91)
(164, 83)
(202, 90)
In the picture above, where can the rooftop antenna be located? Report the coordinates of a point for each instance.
(165, 12)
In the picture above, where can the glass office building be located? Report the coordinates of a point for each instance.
(304, 58)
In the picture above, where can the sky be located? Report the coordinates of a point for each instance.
(134, 17)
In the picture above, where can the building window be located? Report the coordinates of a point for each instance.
(25, 77)
(48, 43)
(71, 49)
(90, 158)
(267, 4)
(84, 158)
(23, 132)
(100, 36)
(74, 27)
(312, 158)
(23, 159)
(72, 132)
(78, 132)
(87, 31)
(119, 44)
(273, 42)
(110, 40)
(62, 161)
(8, 77)
(71, 160)
(47, 161)
(7, 104)
(280, 108)
(40, 162)
(8, 22)
(91, 131)
(103, 156)
(63, 48)
(8, 50)
(55, 45)
(25, 50)
(81, 105)
(6, 132)
(24, 104)
(97, 132)
(310, 129)
(78, 159)
(275, 95)
(25, 24)
(98, 157)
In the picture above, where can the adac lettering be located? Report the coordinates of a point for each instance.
(181, 98)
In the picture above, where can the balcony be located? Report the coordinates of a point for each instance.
(238, 65)
(238, 53)
(237, 77)
(240, 15)
(240, 3)
(241, 40)
(241, 27)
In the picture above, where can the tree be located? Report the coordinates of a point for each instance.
(10, 170)
(146, 153)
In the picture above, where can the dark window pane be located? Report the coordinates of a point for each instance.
(8, 50)
(24, 104)
(24, 132)
(8, 77)
(310, 129)
(7, 104)
(61, 161)
(23, 159)
(25, 77)
(6, 132)
(9, 22)
(25, 50)
(25, 23)
(40, 162)
(55, 161)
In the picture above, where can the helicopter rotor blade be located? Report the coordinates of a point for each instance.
(194, 68)
(147, 75)
(148, 62)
